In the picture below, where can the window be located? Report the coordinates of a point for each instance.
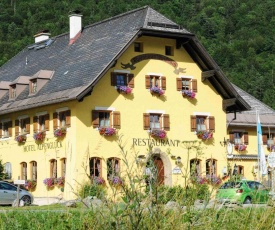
(41, 123)
(268, 138)
(5, 129)
(113, 167)
(122, 79)
(63, 167)
(22, 126)
(23, 171)
(152, 80)
(202, 123)
(138, 47)
(95, 167)
(53, 168)
(33, 86)
(240, 170)
(238, 137)
(8, 170)
(33, 170)
(12, 91)
(195, 167)
(211, 167)
(187, 84)
(156, 121)
(106, 119)
(169, 51)
(61, 119)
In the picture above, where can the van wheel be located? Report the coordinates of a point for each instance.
(26, 199)
(247, 200)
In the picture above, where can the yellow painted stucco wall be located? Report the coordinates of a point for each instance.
(82, 141)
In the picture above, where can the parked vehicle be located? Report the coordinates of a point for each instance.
(8, 194)
(242, 192)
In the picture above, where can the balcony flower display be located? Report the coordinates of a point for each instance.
(213, 180)
(158, 133)
(115, 181)
(49, 182)
(39, 136)
(60, 132)
(124, 89)
(60, 181)
(199, 180)
(156, 90)
(271, 147)
(107, 131)
(240, 147)
(188, 93)
(21, 138)
(30, 184)
(204, 135)
(98, 180)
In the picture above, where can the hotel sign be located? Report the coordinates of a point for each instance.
(43, 146)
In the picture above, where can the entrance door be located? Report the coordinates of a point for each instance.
(160, 170)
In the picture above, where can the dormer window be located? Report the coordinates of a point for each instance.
(38, 80)
(33, 86)
(13, 91)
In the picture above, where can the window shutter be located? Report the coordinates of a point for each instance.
(116, 119)
(231, 137)
(194, 85)
(68, 118)
(35, 124)
(95, 118)
(193, 123)
(10, 128)
(131, 82)
(113, 79)
(163, 82)
(146, 121)
(212, 123)
(246, 138)
(166, 122)
(179, 84)
(28, 120)
(0, 130)
(147, 81)
(16, 127)
(264, 139)
(47, 122)
(55, 120)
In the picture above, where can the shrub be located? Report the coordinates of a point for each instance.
(89, 189)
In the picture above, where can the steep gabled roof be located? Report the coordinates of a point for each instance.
(78, 67)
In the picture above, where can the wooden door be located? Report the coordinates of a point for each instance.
(160, 170)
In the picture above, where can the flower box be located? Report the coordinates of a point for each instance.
(188, 93)
(106, 131)
(158, 133)
(156, 90)
(39, 136)
(49, 182)
(60, 181)
(240, 147)
(115, 181)
(21, 138)
(30, 184)
(60, 132)
(97, 180)
(205, 135)
(124, 89)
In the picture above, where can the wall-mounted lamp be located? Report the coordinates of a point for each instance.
(178, 160)
(224, 142)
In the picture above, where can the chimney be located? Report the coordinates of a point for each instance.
(75, 25)
(41, 36)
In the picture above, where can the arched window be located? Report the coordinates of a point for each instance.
(95, 166)
(23, 171)
(113, 167)
(8, 170)
(211, 167)
(63, 167)
(195, 167)
(33, 167)
(53, 168)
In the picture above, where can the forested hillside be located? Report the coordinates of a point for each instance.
(238, 34)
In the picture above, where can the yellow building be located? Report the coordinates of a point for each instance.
(137, 77)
